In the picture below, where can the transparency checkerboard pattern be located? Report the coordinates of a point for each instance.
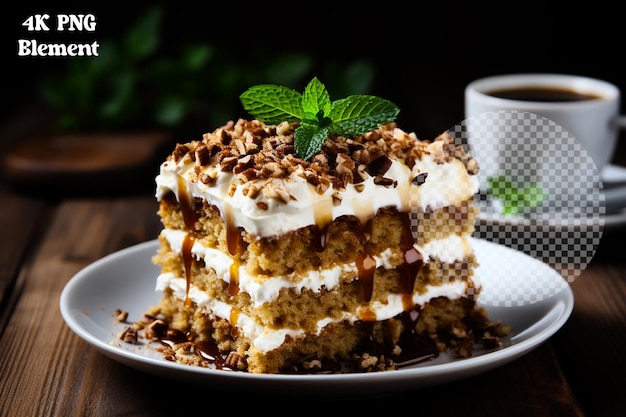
(564, 231)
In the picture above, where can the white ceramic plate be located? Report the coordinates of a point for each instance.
(126, 280)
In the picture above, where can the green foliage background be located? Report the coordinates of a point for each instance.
(134, 84)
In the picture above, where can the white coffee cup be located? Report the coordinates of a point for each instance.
(520, 138)
(595, 122)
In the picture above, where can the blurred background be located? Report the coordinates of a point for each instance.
(178, 68)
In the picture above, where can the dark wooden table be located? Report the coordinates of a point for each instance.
(45, 369)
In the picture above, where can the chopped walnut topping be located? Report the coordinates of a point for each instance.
(368, 361)
(279, 194)
(379, 165)
(420, 179)
(203, 155)
(253, 151)
(458, 330)
(337, 198)
(120, 315)
(129, 335)
(385, 182)
(243, 163)
(156, 330)
(236, 361)
(184, 348)
(345, 164)
(490, 341)
(472, 167)
(312, 365)
(208, 177)
(179, 152)
(464, 350)
(229, 163)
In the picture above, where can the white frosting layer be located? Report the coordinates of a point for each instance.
(446, 184)
(447, 250)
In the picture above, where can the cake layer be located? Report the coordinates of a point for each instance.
(311, 247)
(281, 350)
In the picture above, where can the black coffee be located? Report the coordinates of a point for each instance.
(543, 94)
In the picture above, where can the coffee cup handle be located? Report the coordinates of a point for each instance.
(620, 121)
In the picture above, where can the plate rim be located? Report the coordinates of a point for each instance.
(326, 384)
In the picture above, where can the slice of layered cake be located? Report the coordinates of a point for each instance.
(292, 245)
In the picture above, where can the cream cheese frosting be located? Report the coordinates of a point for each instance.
(446, 184)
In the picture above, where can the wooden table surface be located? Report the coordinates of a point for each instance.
(46, 369)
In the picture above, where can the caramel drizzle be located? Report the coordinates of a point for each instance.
(187, 204)
(234, 239)
(366, 268)
(319, 239)
(234, 318)
(366, 264)
(188, 258)
(413, 261)
(236, 248)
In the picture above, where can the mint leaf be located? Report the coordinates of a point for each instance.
(500, 186)
(318, 116)
(514, 199)
(272, 104)
(315, 102)
(358, 114)
(309, 139)
(533, 195)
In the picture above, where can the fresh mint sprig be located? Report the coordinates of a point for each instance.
(514, 199)
(317, 115)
